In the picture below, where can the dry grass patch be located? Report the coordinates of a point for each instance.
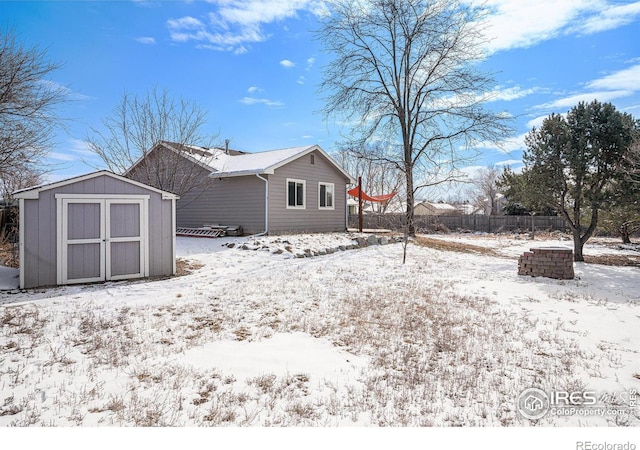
(424, 354)
(460, 247)
(9, 255)
(186, 267)
(614, 260)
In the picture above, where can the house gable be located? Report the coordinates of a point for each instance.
(267, 162)
(315, 168)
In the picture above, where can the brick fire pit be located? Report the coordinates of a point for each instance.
(550, 262)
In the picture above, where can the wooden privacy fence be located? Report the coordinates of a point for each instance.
(488, 224)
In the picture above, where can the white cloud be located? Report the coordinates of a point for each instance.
(610, 18)
(146, 40)
(235, 23)
(81, 147)
(62, 156)
(512, 144)
(301, 80)
(76, 150)
(216, 48)
(573, 100)
(253, 89)
(536, 122)
(310, 62)
(627, 79)
(261, 101)
(187, 28)
(521, 24)
(185, 23)
(70, 94)
(509, 162)
(508, 94)
(623, 83)
(287, 64)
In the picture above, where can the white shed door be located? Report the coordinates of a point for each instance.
(101, 239)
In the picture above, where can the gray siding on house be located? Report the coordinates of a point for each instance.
(226, 201)
(40, 228)
(310, 219)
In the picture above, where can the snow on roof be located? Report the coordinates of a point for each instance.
(230, 163)
(255, 162)
(234, 164)
(469, 209)
(441, 206)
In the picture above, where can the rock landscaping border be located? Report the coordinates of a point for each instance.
(282, 246)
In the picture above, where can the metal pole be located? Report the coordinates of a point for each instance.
(360, 204)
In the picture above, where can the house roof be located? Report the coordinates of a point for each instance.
(225, 163)
(34, 191)
(469, 209)
(198, 155)
(439, 206)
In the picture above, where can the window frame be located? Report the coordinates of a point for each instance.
(304, 193)
(333, 195)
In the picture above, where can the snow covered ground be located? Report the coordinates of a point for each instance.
(256, 336)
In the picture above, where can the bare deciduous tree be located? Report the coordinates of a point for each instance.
(27, 177)
(405, 71)
(486, 193)
(28, 109)
(157, 134)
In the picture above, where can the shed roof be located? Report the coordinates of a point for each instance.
(34, 191)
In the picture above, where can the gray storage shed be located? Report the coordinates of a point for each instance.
(95, 227)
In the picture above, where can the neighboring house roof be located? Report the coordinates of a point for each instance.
(34, 191)
(469, 209)
(439, 206)
(233, 163)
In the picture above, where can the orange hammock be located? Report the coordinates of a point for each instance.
(370, 198)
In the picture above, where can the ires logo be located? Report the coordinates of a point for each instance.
(562, 398)
(534, 403)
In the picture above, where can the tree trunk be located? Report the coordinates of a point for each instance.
(625, 233)
(411, 230)
(578, 245)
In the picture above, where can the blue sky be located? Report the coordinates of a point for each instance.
(255, 66)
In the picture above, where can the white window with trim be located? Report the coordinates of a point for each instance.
(296, 192)
(326, 195)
